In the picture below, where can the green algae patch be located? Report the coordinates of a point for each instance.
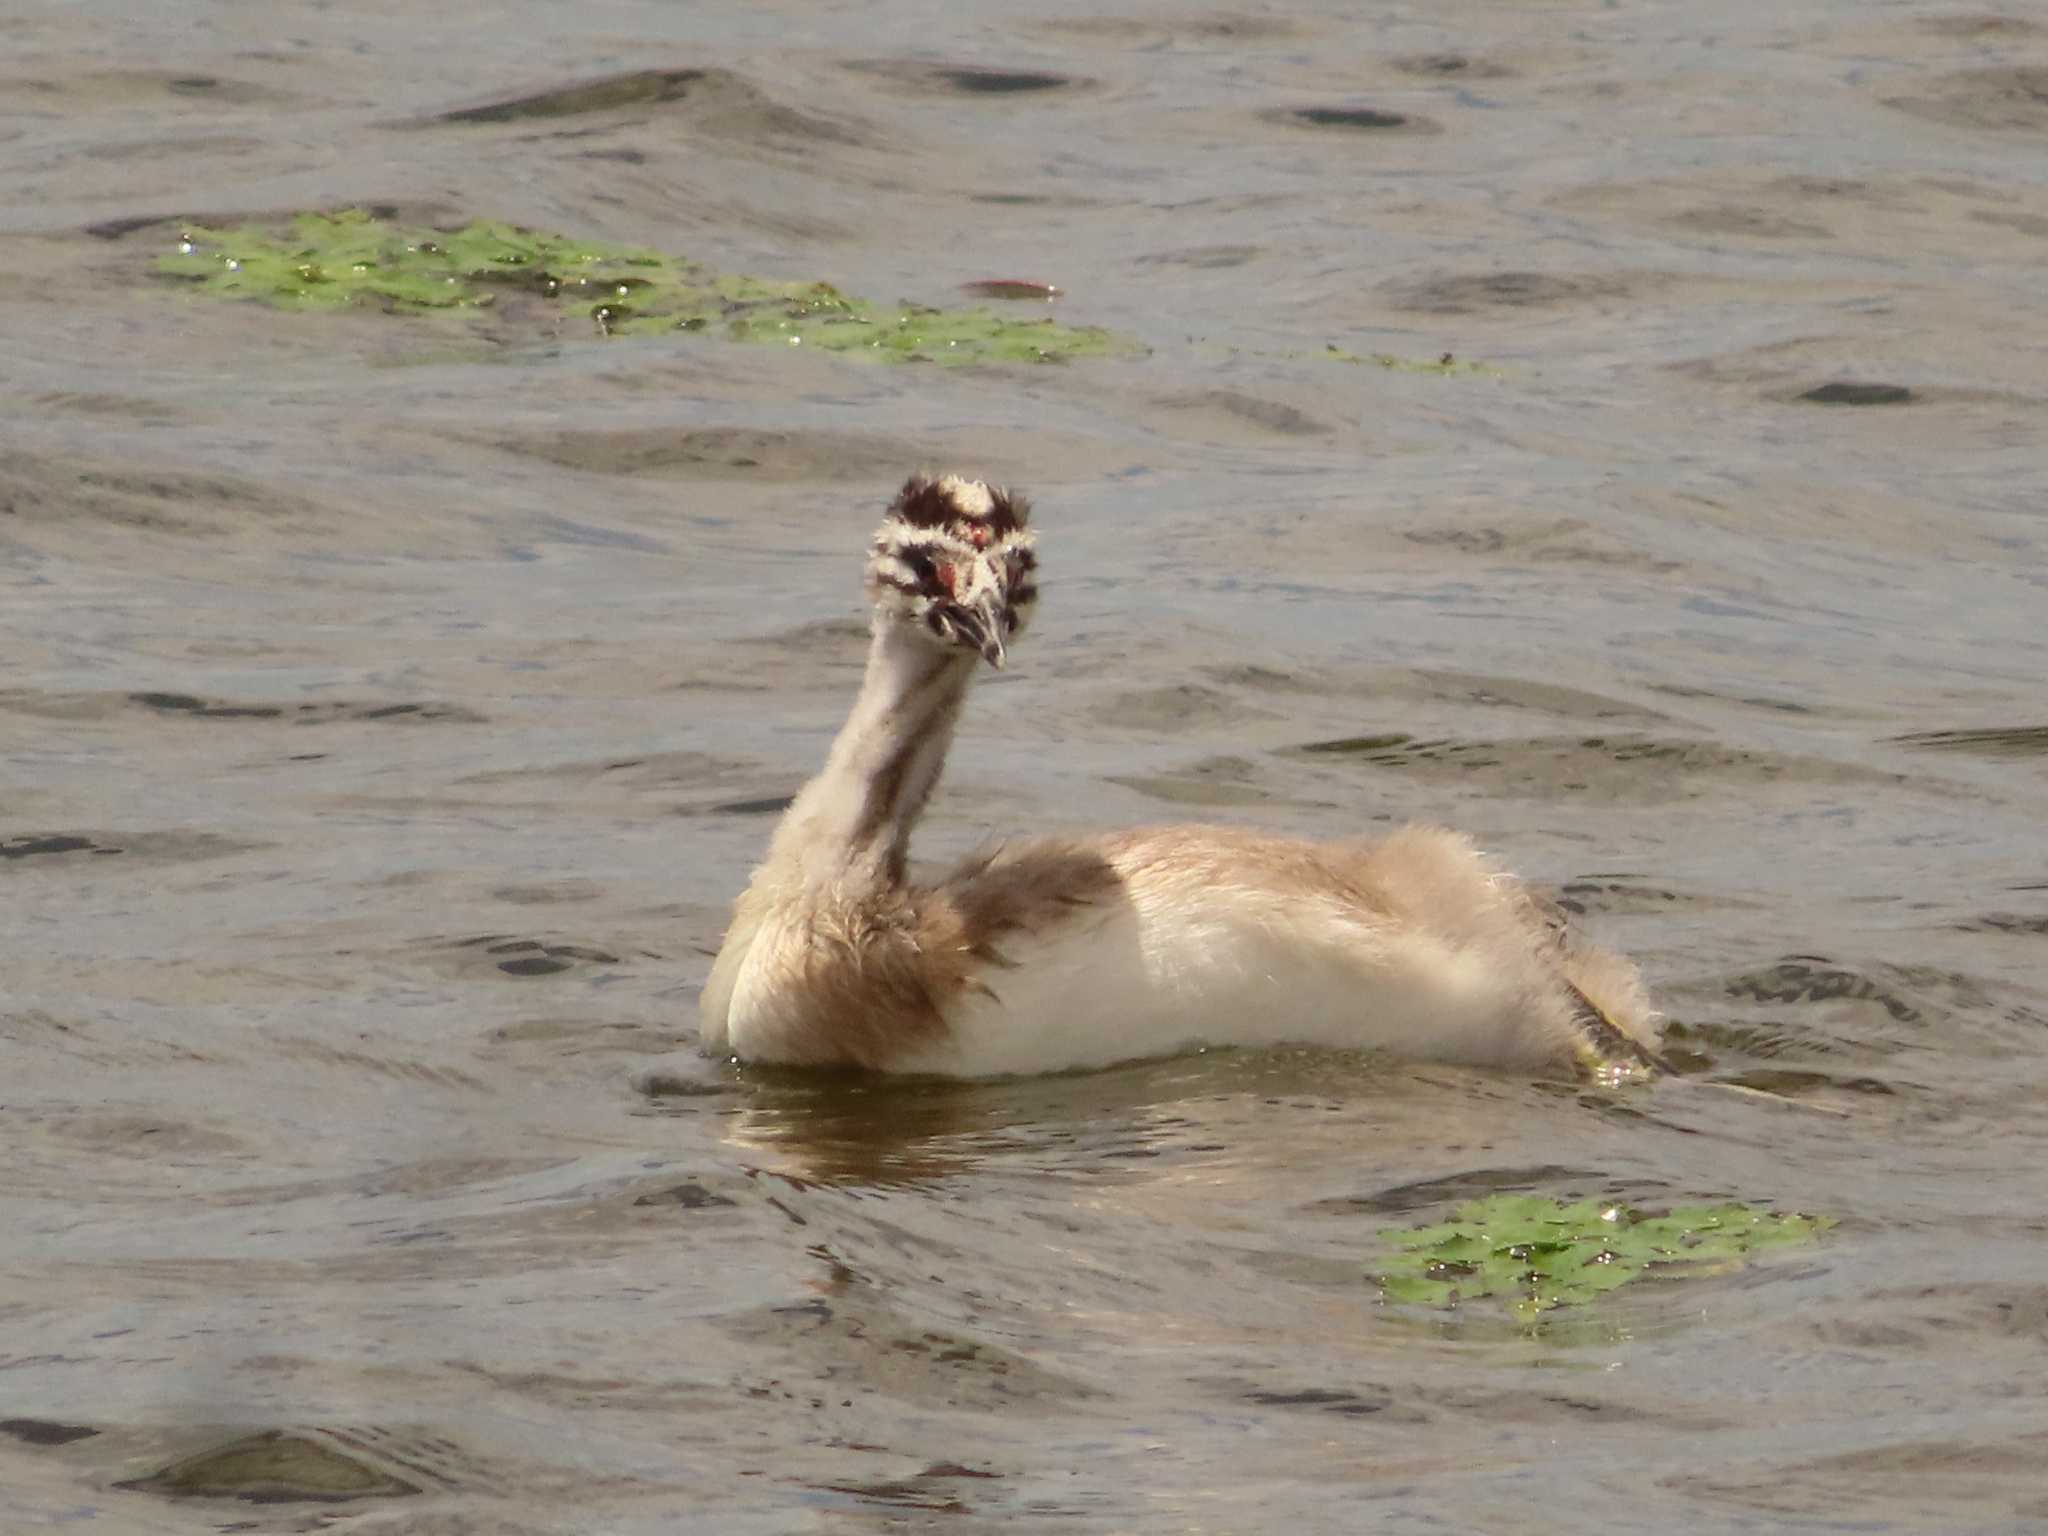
(635, 88)
(1445, 363)
(349, 259)
(913, 334)
(333, 261)
(1534, 1255)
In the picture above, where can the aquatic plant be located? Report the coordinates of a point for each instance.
(1537, 1254)
(339, 260)
(1445, 363)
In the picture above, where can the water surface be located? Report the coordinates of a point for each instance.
(391, 712)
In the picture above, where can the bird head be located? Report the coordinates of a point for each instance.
(954, 560)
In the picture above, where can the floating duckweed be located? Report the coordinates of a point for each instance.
(1444, 363)
(346, 259)
(1537, 1254)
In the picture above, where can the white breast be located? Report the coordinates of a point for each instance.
(1161, 974)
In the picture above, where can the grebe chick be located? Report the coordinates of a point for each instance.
(1060, 953)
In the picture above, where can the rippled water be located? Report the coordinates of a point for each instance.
(391, 711)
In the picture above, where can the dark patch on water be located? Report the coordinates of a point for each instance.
(966, 79)
(1202, 257)
(691, 1197)
(538, 959)
(925, 1491)
(1848, 392)
(1451, 66)
(713, 98)
(672, 1085)
(721, 453)
(1857, 1008)
(1274, 416)
(446, 714)
(795, 1219)
(2002, 99)
(535, 957)
(1326, 1399)
(1150, 31)
(1637, 769)
(1346, 746)
(30, 847)
(1753, 701)
(1568, 539)
(1813, 979)
(1509, 290)
(767, 805)
(272, 1468)
(1621, 896)
(1756, 223)
(147, 847)
(45, 1431)
(1176, 707)
(2007, 922)
(1003, 82)
(1349, 117)
(187, 704)
(1683, 1060)
(1011, 289)
(533, 965)
(1212, 781)
(639, 88)
(114, 229)
(1760, 1041)
(191, 706)
(1989, 741)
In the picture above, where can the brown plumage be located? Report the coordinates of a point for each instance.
(1059, 953)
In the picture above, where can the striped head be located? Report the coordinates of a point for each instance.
(955, 560)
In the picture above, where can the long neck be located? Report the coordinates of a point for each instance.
(852, 823)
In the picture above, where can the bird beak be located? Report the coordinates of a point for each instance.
(980, 624)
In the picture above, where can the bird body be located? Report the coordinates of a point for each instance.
(1063, 953)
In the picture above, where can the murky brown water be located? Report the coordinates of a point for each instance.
(388, 720)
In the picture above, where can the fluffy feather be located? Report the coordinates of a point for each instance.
(1056, 954)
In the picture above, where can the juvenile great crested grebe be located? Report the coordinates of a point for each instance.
(1056, 953)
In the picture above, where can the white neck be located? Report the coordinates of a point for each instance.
(852, 822)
